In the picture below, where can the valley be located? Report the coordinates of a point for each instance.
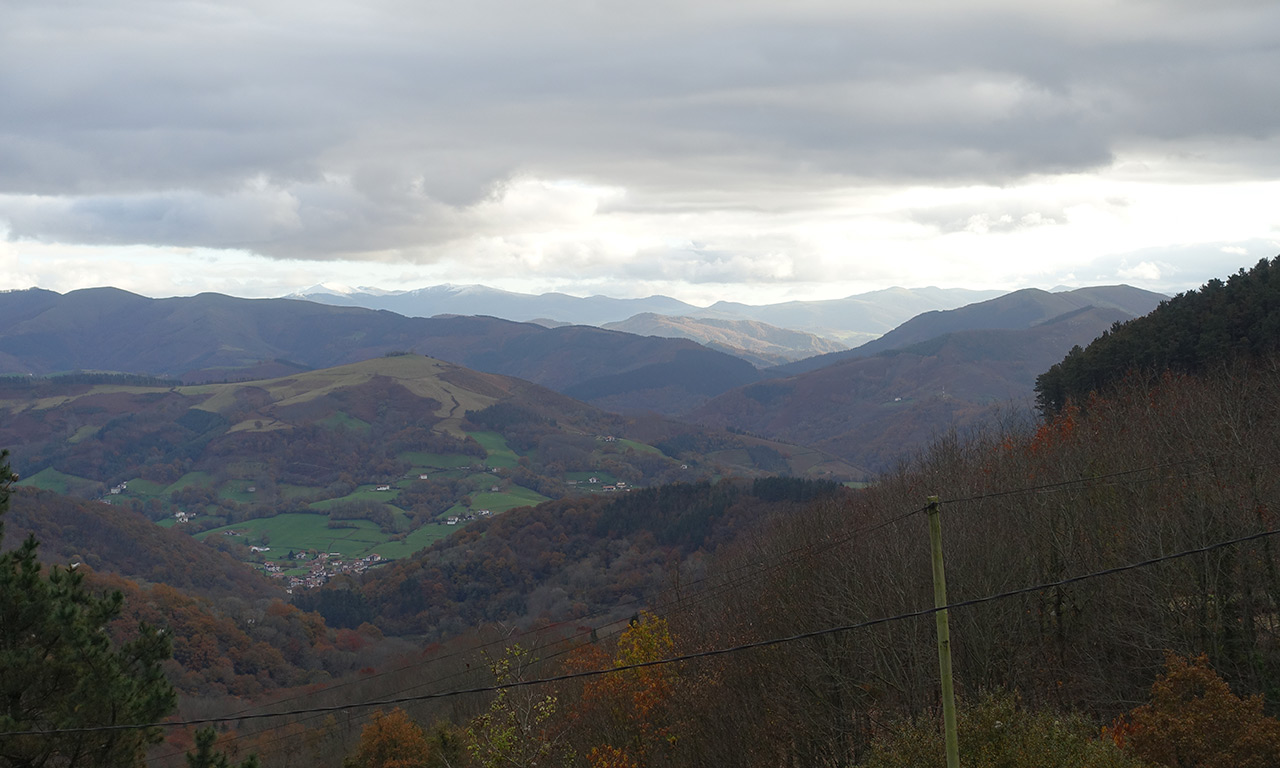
(374, 459)
(405, 529)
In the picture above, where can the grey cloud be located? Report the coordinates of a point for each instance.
(159, 114)
(775, 260)
(1177, 269)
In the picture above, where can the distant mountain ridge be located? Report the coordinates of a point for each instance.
(758, 343)
(211, 337)
(874, 410)
(850, 320)
(1018, 310)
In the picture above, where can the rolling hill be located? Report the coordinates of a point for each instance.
(381, 456)
(875, 410)
(211, 337)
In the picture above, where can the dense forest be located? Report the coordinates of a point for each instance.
(1220, 323)
(561, 560)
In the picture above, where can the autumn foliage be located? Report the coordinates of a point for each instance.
(629, 713)
(1193, 719)
(390, 740)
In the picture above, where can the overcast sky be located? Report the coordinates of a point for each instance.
(756, 150)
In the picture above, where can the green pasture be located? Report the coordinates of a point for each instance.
(638, 447)
(343, 420)
(144, 489)
(83, 433)
(604, 478)
(515, 496)
(495, 445)
(50, 479)
(419, 539)
(238, 490)
(188, 480)
(287, 491)
(361, 493)
(301, 532)
(457, 510)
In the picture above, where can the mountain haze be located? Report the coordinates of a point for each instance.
(1020, 309)
(875, 410)
(758, 343)
(850, 320)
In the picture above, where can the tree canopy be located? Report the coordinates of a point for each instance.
(1190, 333)
(62, 673)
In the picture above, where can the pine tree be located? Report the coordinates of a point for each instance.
(60, 671)
(205, 756)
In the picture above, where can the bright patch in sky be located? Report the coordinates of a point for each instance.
(754, 151)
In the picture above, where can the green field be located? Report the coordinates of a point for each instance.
(287, 491)
(83, 433)
(419, 539)
(603, 478)
(361, 493)
(515, 496)
(139, 488)
(238, 490)
(494, 444)
(50, 479)
(301, 532)
(638, 447)
(190, 479)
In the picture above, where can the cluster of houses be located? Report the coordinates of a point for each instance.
(455, 519)
(324, 567)
(617, 486)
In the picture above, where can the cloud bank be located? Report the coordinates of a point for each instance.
(582, 142)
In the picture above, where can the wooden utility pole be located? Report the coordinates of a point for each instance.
(944, 635)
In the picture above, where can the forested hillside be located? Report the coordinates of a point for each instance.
(122, 541)
(1019, 310)
(1220, 323)
(1080, 553)
(563, 560)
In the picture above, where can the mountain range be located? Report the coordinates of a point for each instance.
(211, 337)
(1017, 310)
(851, 320)
(874, 410)
(867, 405)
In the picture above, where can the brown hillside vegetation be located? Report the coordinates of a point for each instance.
(1143, 474)
(121, 541)
(1137, 476)
(874, 411)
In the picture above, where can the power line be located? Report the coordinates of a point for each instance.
(1062, 484)
(681, 605)
(673, 659)
(685, 604)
